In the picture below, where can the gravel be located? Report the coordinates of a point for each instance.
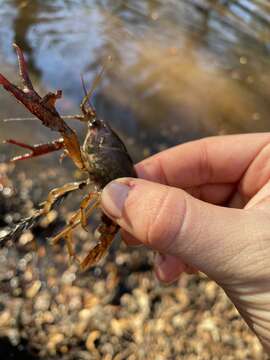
(117, 310)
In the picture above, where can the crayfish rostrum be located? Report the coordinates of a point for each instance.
(102, 157)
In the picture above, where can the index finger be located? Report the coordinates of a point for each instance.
(218, 159)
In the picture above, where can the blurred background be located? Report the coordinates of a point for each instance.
(180, 70)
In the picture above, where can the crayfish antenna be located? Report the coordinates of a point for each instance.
(89, 94)
(86, 99)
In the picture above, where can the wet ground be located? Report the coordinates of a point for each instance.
(179, 71)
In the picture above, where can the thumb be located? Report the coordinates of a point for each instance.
(172, 222)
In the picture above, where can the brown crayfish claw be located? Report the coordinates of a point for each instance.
(43, 108)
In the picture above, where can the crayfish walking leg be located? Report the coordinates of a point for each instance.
(79, 218)
(37, 149)
(58, 193)
(107, 231)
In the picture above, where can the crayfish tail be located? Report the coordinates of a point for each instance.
(97, 253)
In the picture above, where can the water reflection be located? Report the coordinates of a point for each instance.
(181, 69)
(24, 20)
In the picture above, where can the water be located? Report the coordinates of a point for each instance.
(181, 69)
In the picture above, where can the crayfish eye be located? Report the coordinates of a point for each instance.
(94, 122)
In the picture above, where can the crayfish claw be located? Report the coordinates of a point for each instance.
(36, 150)
(44, 109)
(50, 99)
(4, 81)
(27, 83)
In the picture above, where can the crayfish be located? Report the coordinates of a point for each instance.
(103, 157)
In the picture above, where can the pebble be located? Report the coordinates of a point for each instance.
(209, 325)
(211, 289)
(54, 341)
(33, 290)
(26, 238)
(119, 326)
(5, 319)
(91, 338)
(85, 315)
(43, 301)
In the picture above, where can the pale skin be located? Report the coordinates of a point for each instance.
(205, 203)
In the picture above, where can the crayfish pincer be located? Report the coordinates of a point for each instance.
(103, 157)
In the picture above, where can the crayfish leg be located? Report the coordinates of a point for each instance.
(58, 193)
(36, 150)
(70, 248)
(79, 218)
(73, 148)
(107, 234)
(84, 212)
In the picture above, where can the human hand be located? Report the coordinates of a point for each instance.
(205, 203)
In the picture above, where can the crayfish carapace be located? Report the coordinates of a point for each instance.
(103, 157)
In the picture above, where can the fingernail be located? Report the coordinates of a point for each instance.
(113, 198)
